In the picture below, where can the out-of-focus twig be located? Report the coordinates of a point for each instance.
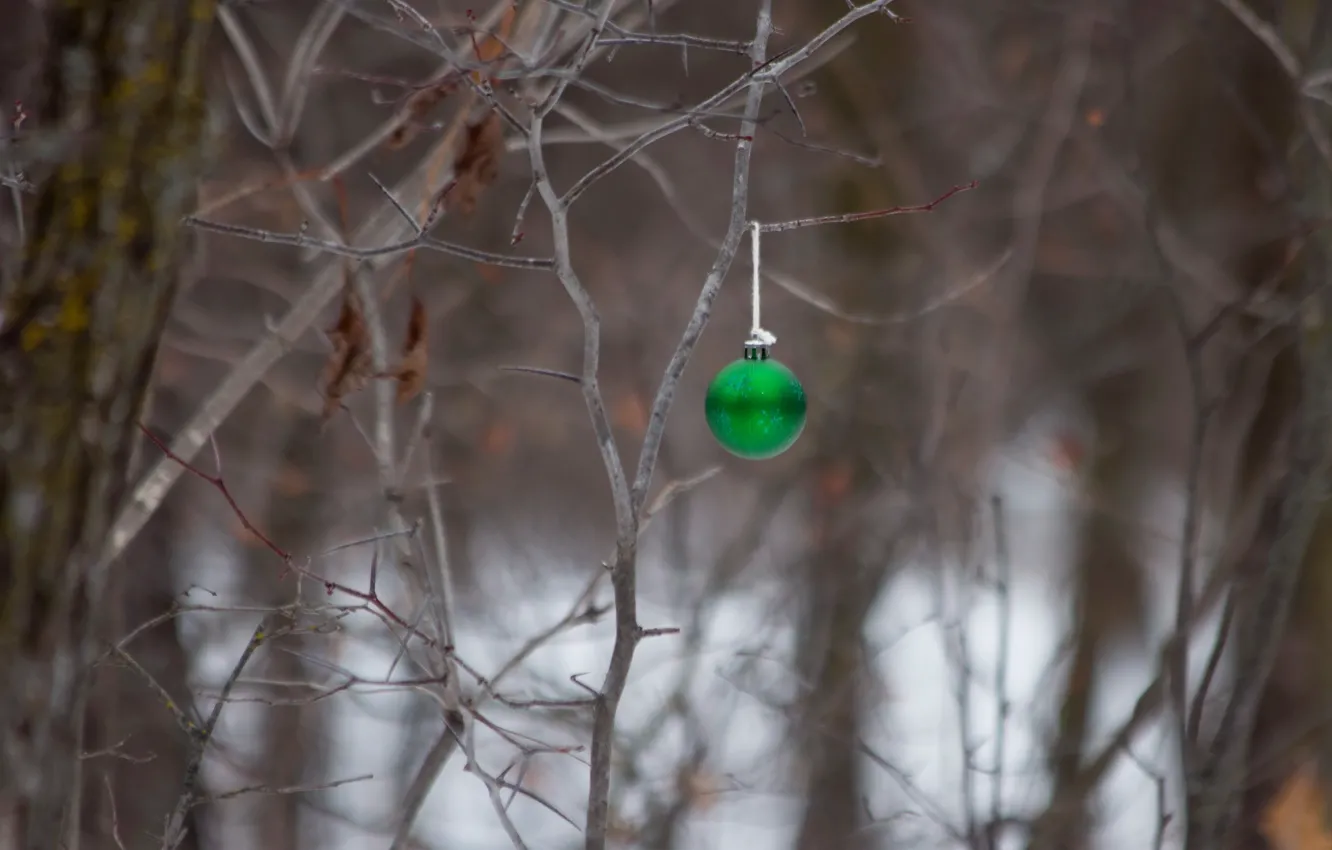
(848, 218)
(190, 794)
(285, 789)
(385, 226)
(377, 251)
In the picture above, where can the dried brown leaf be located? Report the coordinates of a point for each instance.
(492, 46)
(477, 164)
(350, 366)
(418, 108)
(631, 413)
(1068, 451)
(699, 789)
(498, 437)
(1294, 820)
(291, 481)
(835, 481)
(419, 105)
(411, 369)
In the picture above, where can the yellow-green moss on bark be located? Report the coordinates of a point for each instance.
(79, 328)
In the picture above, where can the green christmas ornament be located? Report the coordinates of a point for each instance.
(755, 406)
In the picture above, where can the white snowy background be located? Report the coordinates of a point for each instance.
(740, 674)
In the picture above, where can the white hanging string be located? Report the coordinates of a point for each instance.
(757, 335)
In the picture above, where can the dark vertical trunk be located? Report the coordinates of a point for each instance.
(1293, 696)
(1108, 603)
(292, 733)
(121, 90)
(841, 588)
(130, 788)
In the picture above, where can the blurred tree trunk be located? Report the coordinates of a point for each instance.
(137, 781)
(856, 461)
(1288, 442)
(133, 783)
(302, 480)
(871, 428)
(1202, 135)
(861, 471)
(1107, 601)
(841, 587)
(122, 97)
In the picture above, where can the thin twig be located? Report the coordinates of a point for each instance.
(219, 484)
(548, 373)
(1201, 410)
(190, 795)
(492, 785)
(384, 226)
(378, 251)
(300, 70)
(847, 218)
(115, 816)
(188, 726)
(1003, 705)
(285, 789)
(771, 70)
(1194, 728)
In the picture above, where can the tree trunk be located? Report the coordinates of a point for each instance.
(293, 735)
(135, 781)
(1283, 634)
(122, 102)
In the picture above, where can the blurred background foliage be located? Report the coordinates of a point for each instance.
(1116, 307)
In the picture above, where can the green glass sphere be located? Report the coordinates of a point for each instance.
(755, 406)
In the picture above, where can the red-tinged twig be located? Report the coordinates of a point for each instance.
(848, 218)
(371, 599)
(220, 485)
(517, 235)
